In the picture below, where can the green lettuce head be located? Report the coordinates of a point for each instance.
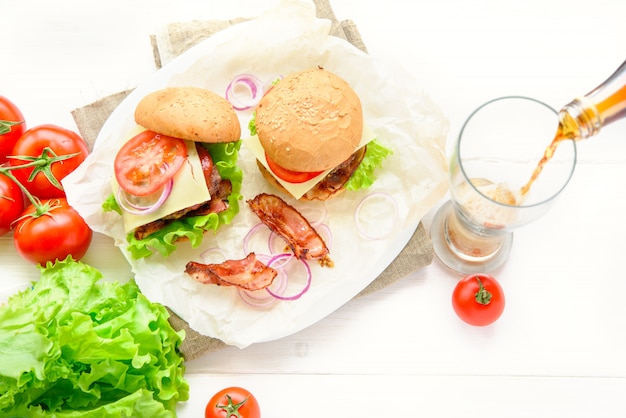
(75, 346)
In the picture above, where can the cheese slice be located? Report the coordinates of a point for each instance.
(297, 190)
(189, 189)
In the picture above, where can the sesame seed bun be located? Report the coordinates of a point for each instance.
(190, 113)
(310, 121)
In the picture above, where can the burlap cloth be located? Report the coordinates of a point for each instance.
(176, 39)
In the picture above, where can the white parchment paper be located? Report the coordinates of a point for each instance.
(286, 39)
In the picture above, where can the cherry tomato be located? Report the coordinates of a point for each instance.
(62, 151)
(11, 203)
(53, 235)
(147, 161)
(478, 299)
(233, 402)
(289, 175)
(12, 126)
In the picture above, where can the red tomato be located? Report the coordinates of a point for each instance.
(53, 146)
(233, 402)
(53, 235)
(12, 126)
(478, 299)
(11, 203)
(289, 175)
(147, 161)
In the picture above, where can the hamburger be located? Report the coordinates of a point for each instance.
(176, 174)
(310, 139)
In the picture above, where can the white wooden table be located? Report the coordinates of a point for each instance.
(559, 350)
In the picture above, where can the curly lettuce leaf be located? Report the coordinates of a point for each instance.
(363, 177)
(111, 205)
(252, 124)
(224, 156)
(76, 346)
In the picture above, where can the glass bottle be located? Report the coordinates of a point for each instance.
(585, 116)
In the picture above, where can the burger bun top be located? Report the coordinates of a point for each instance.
(310, 121)
(191, 113)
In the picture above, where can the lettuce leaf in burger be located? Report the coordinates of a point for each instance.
(177, 176)
(309, 137)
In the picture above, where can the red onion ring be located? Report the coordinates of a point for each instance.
(254, 88)
(361, 230)
(248, 238)
(309, 213)
(308, 277)
(205, 255)
(283, 256)
(136, 209)
(271, 245)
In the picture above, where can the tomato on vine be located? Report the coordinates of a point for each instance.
(50, 231)
(45, 155)
(478, 299)
(12, 126)
(233, 402)
(32, 164)
(11, 203)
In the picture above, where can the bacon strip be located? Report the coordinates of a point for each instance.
(286, 221)
(248, 273)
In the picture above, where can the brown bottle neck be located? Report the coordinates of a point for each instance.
(585, 116)
(579, 119)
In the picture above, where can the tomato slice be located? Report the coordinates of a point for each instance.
(147, 161)
(290, 176)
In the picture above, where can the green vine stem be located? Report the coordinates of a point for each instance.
(41, 164)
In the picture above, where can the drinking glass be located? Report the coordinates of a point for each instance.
(495, 155)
